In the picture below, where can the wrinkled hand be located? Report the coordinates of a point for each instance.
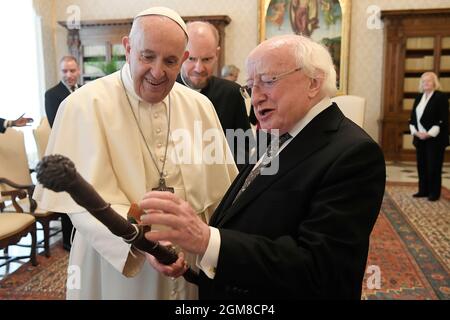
(175, 270)
(187, 230)
(21, 121)
(422, 135)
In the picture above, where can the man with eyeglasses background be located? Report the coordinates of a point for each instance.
(197, 73)
(302, 232)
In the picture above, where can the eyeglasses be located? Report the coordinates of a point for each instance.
(265, 82)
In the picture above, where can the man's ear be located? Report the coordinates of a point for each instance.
(126, 45)
(217, 52)
(315, 86)
(185, 56)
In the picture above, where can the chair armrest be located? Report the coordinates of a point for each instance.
(29, 191)
(13, 194)
(16, 185)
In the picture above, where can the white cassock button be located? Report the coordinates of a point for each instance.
(158, 130)
(161, 159)
(159, 145)
(156, 115)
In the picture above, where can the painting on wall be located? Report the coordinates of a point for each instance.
(324, 21)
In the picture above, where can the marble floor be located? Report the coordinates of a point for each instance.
(407, 172)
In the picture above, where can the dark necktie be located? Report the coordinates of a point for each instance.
(73, 88)
(267, 158)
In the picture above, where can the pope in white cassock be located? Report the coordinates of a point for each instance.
(121, 133)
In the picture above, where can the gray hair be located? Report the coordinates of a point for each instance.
(314, 59)
(436, 84)
(228, 70)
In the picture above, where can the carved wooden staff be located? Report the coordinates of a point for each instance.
(58, 173)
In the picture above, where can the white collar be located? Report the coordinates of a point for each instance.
(68, 87)
(427, 97)
(312, 113)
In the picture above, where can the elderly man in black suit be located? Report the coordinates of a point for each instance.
(197, 73)
(70, 72)
(296, 225)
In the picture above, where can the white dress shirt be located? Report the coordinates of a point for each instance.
(69, 88)
(434, 130)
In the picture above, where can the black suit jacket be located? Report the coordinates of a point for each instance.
(302, 233)
(53, 98)
(230, 108)
(435, 114)
(2, 128)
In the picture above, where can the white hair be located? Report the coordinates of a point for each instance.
(315, 61)
(229, 69)
(436, 84)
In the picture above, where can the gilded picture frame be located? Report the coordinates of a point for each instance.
(325, 21)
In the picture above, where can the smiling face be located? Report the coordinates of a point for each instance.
(281, 104)
(155, 52)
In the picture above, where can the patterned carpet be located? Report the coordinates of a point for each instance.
(410, 245)
(43, 282)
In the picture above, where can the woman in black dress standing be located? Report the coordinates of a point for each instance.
(429, 126)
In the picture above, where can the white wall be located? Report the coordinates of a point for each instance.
(46, 9)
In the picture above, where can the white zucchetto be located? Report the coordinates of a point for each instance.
(166, 12)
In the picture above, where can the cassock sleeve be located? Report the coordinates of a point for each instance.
(110, 247)
(79, 134)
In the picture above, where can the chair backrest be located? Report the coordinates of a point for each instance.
(353, 107)
(41, 135)
(13, 158)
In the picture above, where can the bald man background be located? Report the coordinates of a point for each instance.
(197, 73)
